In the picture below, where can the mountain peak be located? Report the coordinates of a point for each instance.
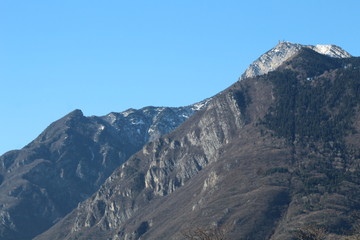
(76, 112)
(284, 50)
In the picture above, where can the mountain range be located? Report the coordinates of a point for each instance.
(266, 158)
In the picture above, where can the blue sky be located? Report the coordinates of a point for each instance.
(111, 55)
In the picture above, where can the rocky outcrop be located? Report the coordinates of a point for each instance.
(70, 160)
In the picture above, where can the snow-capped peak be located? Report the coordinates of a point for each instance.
(330, 50)
(273, 58)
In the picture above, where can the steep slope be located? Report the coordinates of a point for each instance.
(266, 156)
(70, 160)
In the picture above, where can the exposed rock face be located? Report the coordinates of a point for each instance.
(158, 170)
(70, 160)
(266, 156)
(272, 59)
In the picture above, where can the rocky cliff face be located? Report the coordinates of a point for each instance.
(272, 59)
(70, 160)
(158, 170)
(264, 158)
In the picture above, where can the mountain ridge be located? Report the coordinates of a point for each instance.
(69, 161)
(232, 166)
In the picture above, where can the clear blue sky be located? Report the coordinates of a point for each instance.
(110, 55)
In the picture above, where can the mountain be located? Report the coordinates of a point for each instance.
(70, 160)
(272, 157)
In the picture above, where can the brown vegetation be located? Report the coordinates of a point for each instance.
(311, 232)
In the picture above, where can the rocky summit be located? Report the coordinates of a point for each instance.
(274, 156)
(273, 58)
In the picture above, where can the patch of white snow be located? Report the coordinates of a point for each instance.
(273, 58)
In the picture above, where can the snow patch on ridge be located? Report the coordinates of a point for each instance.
(200, 105)
(273, 58)
(330, 50)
